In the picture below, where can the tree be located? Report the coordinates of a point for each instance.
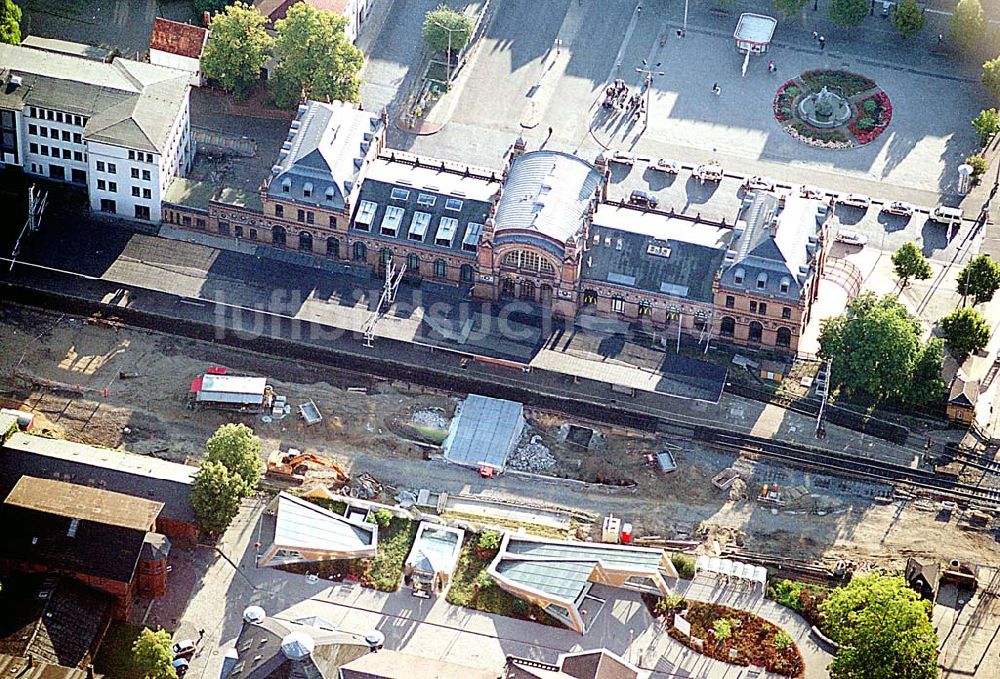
(315, 59)
(876, 349)
(849, 12)
(987, 123)
(968, 24)
(10, 22)
(907, 18)
(215, 496)
(980, 278)
(237, 49)
(909, 263)
(788, 7)
(991, 78)
(153, 654)
(446, 30)
(979, 165)
(966, 331)
(236, 448)
(927, 386)
(883, 628)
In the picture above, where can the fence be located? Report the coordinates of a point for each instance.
(240, 146)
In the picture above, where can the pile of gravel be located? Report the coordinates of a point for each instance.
(531, 457)
(431, 418)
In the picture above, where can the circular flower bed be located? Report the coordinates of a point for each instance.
(733, 636)
(871, 110)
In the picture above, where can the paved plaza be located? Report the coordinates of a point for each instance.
(523, 82)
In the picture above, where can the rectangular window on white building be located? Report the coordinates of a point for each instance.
(100, 166)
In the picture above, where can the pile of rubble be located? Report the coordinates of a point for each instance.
(532, 457)
(365, 486)
(431, 418)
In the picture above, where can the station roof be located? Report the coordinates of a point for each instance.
(84, 503)
(654, 252)
(548, 193)
(562, 569)
(484, 431)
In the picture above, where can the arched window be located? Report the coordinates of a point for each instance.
(527, 290)
(440, 268)
(645, 307)
(784, 338)
(739, 275)
(526, 260)
(278, 236)
(332, 247)
(728, 327)
(465, 273)
(386, 255)
(507, 287)
(761, 281)
(305, 241)
(413, 263)
(360, 252)
(756, 331)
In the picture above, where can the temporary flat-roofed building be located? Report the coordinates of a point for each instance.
(557, 575)
(304, 532)
(234, 389)
(484, 432)
(121, 128)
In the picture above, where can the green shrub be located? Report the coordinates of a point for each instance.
(793, 91)
(668, 603)
(782, 640)
(684, 565)
(978, 163)
(488, 541)
(723, 629)
(866, 124)
(383, 517)
(869, 106)
(483, 581)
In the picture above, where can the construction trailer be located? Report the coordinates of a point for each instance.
(231, 392)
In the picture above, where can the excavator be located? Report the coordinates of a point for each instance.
(295, 466)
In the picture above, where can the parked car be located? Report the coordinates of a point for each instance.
(623, 158)
(758, 183)
(851, 238)
(181, 666)
(183, 649)
(899, 207)
(664, 165)
(946, 215)
(644, 199)
(710, 172)
(854, 200)
(809, 191)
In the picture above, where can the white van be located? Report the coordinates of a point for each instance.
(946, 215)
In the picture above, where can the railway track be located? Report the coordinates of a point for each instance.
(566, 402)
(853, 466)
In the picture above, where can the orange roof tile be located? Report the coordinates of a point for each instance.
(182, 39)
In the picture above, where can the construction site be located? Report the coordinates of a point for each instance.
(334, 431)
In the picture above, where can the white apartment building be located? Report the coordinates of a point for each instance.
(121, 128)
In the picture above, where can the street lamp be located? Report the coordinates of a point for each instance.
(450, 31)
(650, 72)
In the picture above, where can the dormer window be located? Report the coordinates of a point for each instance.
(426, 200)
(307, 190)
(738, 276)
(761, 281)
(453, 204)
(329, 193)
(400, 194)
(286, 185)
(786, 283)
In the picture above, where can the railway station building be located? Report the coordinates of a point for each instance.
(541, 231)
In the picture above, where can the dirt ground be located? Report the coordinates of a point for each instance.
(369, 425)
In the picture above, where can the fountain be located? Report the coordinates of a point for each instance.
(824, 109)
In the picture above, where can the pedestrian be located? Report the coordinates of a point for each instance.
(822, 42)
(770, 66)
(550, 131)
(201, 634)
(940, 38)
(815, 35)
(716, 89)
